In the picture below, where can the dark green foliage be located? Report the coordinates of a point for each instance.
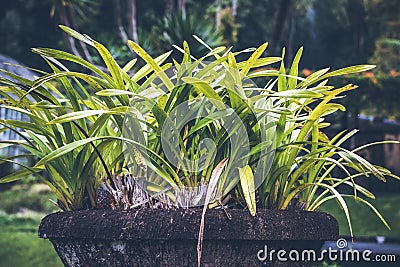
(378, 95)
(19, 243)
(24, 24)
(341, 32)
(229, 28)
(383, 18)
(175, 29)
(25, 196)
(26, 249)
(363, 223)
(256, 19)
(387, 55)
(336, 33)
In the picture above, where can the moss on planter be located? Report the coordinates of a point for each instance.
(161, 237)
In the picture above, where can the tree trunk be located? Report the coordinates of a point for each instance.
(283, 11)
(182, 7)
(217, 14)
(169, 7)
(85, 51)
(132, 20)
(292, 31)
(70, 40)
(234, 8)
(117, 14)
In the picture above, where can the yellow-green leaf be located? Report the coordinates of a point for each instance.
(115, 70)
(149, 60)
(253, 58)
(77, 115)
(207, 90)
(247, 183)
(77, 35)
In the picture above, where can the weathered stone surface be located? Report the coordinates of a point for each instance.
(149, 224)
(159, 237)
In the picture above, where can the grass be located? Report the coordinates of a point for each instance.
(25, 196)
(365, 222)
(21, 209)
(24, 248)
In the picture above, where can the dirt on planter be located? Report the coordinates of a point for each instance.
(162, 237)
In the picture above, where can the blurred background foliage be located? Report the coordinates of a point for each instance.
(334, 33)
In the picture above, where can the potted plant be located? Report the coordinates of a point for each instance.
(164, 142)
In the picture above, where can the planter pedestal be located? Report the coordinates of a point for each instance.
(159, 237)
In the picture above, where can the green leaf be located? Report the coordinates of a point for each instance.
(64, 150)
(232, 61)
(207, 90)
(8, 143)
(16, 175)
(29, 126)
(250, 63)
(314, 77)
(298, 93)
(282, 83)
(260, 62)
(44, 104)
(53, 53)
(149, 60)
(146, 69)
(207, 120)
(348, 70)
(263, 73)
(247, 183)
(129, 65)
(294, 69)
(370, 206)
(315, 115)
(111, 64)
(93, 81)
(77, 35)
(78, 115)
(203, 43)
(113, 92)
(186, 56)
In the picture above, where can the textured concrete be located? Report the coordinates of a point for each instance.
(169, 237)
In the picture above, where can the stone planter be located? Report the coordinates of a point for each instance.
(159, 237)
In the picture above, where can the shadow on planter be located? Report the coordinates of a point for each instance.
(159, 237)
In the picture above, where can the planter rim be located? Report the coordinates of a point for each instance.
(183, 224)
